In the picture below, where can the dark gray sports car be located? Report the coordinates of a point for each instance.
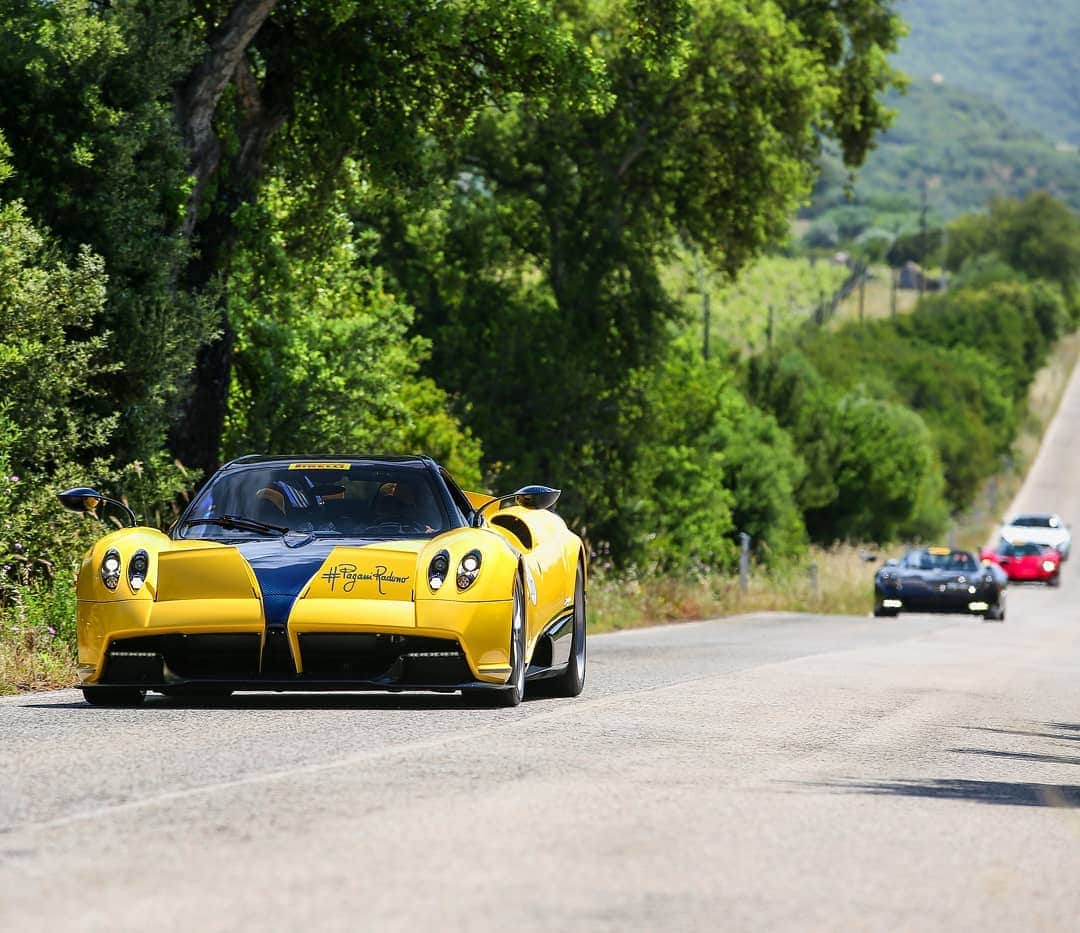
(940, 579)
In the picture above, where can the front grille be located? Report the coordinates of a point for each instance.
(398, 659)
(139, 660)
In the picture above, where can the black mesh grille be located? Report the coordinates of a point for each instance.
(139, 660)
(400, 659)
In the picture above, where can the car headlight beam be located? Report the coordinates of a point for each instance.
(468, 569)
(110, 568)
(1048, 566)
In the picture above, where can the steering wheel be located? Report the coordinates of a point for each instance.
(405, 528)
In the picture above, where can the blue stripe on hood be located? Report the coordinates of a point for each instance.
(282, 573)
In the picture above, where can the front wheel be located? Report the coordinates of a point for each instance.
(113, 696)
(996, 613)
(514, 691)
(571, 681)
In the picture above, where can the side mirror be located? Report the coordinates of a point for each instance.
(84, 499)
(892, 562)
(81, 499)
(536, 497)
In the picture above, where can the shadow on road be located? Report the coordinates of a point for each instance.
(1062, 736)
(295, 701)
(997, 792)
(1020, 756)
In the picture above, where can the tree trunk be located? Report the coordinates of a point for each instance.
(195, 438)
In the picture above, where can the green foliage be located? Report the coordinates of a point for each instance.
(884, 473)
(323, 357)
(1037, 236)
(870, 471)
(545, 253)
(714, 466)
(924, 248)
(48, 363)
(86, 102)
(770, 298)
(895, 418)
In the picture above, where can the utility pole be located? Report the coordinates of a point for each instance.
(862, 293)
(744, 561)
(944, 256)
(703, 287)
(894, 275)
(922, 240)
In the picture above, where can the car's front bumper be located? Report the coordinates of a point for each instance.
(894, 599)
(1023, 575)
(423, 645)
(330, 661)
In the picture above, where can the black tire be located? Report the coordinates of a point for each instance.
(1055, 580)
(113, 696)
(514, 691)
(571, 682)
(996, 613)
(885, 613)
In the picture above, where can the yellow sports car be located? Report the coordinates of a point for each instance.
(338, 573)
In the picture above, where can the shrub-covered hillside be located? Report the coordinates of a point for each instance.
(1021, 56)
(963, 149)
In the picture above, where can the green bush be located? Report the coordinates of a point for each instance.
(713, 465)
(49, 364)
(885, 472)
(323, 357)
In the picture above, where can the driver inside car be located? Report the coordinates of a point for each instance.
(396, 503)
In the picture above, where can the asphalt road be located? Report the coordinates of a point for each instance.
(771, 772)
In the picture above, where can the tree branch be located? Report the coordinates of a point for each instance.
(198, 99)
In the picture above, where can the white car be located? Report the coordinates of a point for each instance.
(1039, 528)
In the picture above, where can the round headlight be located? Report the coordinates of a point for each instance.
(468, 570)
(137, 569)
(1048, 566)
(438, 569)
(110, 568)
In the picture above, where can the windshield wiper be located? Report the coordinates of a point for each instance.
(238, 521)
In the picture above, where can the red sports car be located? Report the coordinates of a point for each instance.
(1025, 561)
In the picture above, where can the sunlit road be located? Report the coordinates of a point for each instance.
(777, 772)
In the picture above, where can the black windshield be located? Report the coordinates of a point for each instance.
(1035, 521)
(367, 499)
(940, 559)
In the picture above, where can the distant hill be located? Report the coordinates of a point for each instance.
(964, 148)
(1021, 54)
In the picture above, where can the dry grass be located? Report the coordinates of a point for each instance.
(877, 300)
(837, 580)
(29, 661)
(37, 635)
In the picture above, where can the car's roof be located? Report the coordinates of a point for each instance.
(1034, 515)
(418, 460)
